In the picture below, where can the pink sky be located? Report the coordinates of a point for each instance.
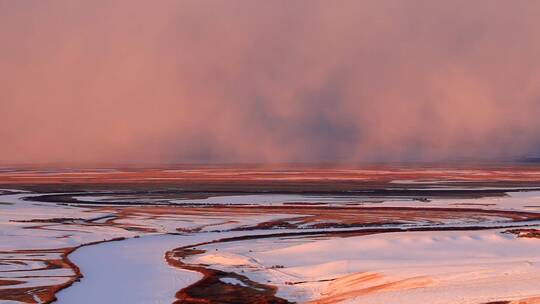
(268, 81)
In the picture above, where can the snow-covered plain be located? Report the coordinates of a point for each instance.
(251, 199)
(136, 262)
(15, 233)
(411, 267)
(513, 200)
(405, 267)
(516, 199)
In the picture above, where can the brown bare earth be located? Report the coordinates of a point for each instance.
(46, 294)
(525, 233)
(211, 288)
(319, 217)
(292, 174)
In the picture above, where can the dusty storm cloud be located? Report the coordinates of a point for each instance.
(268, 81)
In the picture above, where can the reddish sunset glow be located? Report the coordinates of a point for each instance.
(268, 81)
(270, 151)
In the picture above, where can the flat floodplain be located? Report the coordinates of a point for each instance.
(271, 235)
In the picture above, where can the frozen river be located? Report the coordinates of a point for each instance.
(129, 271)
